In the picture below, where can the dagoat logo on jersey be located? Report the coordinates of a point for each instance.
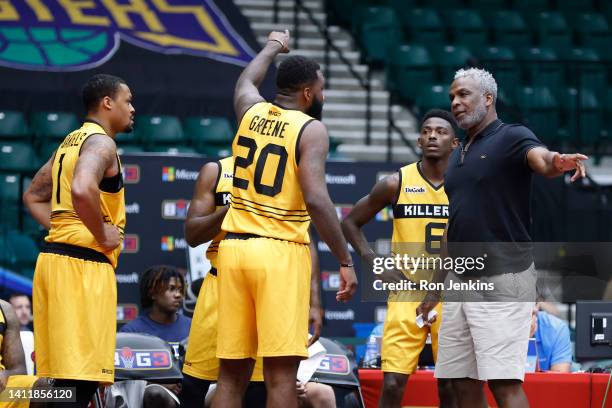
(127, 358)
(51, 35)
(170, 243)
(174, 209)
(335, 364)
(414, 189)
(330, 281)
(170, 174)
(131, 173)
(130, 244)
(341, 179)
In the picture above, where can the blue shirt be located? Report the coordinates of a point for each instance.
(172, 333)
(489, 194)
(552, 341)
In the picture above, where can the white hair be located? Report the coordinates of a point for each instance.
(483, 77)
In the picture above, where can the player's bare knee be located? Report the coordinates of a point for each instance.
(280, 370)
(394, 383)
(320, 395)
(505, 388)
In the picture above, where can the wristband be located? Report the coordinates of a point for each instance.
(278, 41)
(348, 265)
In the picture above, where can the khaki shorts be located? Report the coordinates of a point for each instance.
(487, 340)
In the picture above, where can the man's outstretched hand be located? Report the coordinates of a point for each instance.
(567, 162)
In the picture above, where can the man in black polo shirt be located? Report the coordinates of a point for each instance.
(484, 333)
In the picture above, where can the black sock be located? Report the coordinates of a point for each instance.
(193, 392)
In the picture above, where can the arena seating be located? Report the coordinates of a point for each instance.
(537, 49)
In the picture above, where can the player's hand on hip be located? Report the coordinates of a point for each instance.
(315, 320)
(281, 38)
(567, 162)
(112, 237)
(348, 284)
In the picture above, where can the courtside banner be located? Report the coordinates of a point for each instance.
(48, 35)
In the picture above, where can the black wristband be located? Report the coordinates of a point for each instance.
(349, 265)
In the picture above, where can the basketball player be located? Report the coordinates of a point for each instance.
(79, 194)
(417, 186)
(206, 211)
(264, 261)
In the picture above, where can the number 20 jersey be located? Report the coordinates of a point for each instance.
(266, 197)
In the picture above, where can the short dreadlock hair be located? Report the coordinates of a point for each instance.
(295, 72)
(442, 114)
(155, 280)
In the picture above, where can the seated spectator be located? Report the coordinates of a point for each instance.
(23, 309)
(12, 361)
(553, 343)
(162, 289)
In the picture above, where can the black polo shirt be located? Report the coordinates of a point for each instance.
(489, 196)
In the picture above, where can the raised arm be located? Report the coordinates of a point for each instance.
(382, 194)
(13, 358)
(246, 93)
(314, 145)
(98, 159)
(203, 221)
(38, 196)
(553, 164)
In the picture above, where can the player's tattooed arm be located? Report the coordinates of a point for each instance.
(382, 194)
(203, 221)
(246, 93)
(98, 159)
(13, 358)
(37, 198)
(313, 148)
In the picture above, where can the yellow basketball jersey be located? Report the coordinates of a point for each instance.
(419, 216)
(66, 227)
(2, 331)
(223, 188)
(266, 197)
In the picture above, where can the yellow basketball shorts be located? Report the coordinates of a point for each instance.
(403, 340)
(75, 309)
(22, 382)
(201, 360)
(264, 296)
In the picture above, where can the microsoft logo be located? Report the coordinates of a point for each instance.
(168, 174)
(167, 243)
